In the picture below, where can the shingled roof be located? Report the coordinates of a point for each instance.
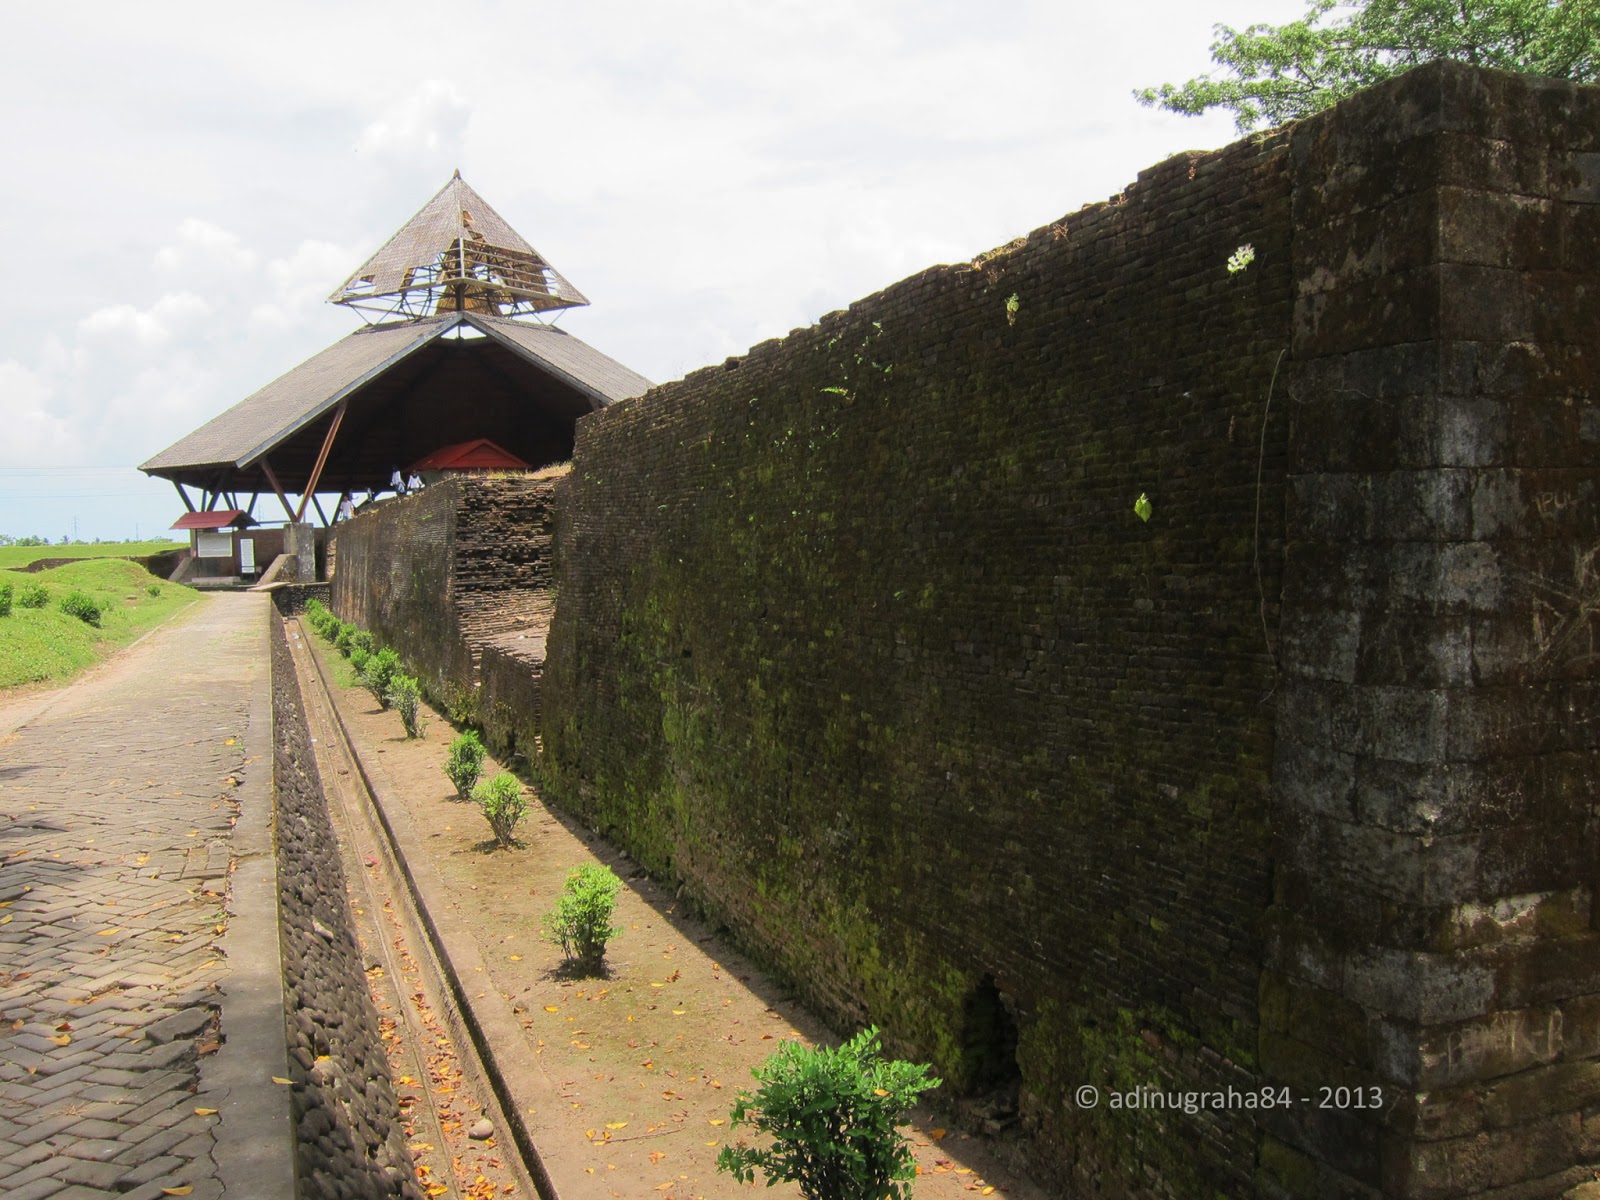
(251, 428)
(402, 388)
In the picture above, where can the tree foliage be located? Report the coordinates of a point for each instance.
(1284, 72)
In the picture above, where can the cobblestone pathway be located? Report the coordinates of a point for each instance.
(116, 806)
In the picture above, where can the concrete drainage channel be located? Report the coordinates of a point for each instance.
(436, 1041)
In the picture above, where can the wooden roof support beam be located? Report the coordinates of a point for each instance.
(322, 460)
(272, 478)
(317, 504)
(187, 503)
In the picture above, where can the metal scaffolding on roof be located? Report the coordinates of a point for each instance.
(457, 255)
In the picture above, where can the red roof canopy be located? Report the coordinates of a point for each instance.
(218, 519)
(479, 454)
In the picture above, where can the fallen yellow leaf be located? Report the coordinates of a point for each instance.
(62, 1039)
(177, 1191)
(987, 1191)
(205, 1112)
(936, 1134)
(279, 1079)
(552, 1008)
(616, 1124)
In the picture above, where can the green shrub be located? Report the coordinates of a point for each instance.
(405, 697)
(153, 590)
(381, 668)
(581, 923)
(314, 610)
(83, 606)
(358, 658)
(5, 599)
(362, 639)
(831, 1115)
(503, 804)
(342, 640)
(32, 595)
(465, 763)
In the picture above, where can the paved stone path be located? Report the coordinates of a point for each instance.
(117, 802)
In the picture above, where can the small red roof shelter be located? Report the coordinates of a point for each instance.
(480, 454)
(217, 519)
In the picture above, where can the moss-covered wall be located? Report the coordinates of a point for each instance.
(1433, 931)
(861, 637)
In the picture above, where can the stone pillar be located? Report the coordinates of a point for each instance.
(1432, 943)
(300, 544)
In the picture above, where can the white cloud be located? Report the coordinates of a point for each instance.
(298, 283)
(149, 327)
(428, 124)
(204, 246)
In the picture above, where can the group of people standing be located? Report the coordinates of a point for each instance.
(399, 484)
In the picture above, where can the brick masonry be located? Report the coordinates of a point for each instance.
(860, 640)
(443, 572)
(349, 1138)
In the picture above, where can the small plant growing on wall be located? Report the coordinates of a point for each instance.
(465, 763)
(405, 697)
(83, 606)
(581, 921)
(32, 595)
(379, 671)
(503, 805)
(831, 1115)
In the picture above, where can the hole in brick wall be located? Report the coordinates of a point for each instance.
(989, 1052)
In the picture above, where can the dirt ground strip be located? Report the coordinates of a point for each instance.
(636, 1071)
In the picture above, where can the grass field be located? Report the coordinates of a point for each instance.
(12, 557)
(48, 644)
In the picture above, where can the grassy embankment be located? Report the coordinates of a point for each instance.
(38, 644)
(12, 557)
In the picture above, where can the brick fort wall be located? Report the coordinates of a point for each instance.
(860, 638)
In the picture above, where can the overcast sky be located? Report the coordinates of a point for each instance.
(185, 183)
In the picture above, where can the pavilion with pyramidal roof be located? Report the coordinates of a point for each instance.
(456, 357)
